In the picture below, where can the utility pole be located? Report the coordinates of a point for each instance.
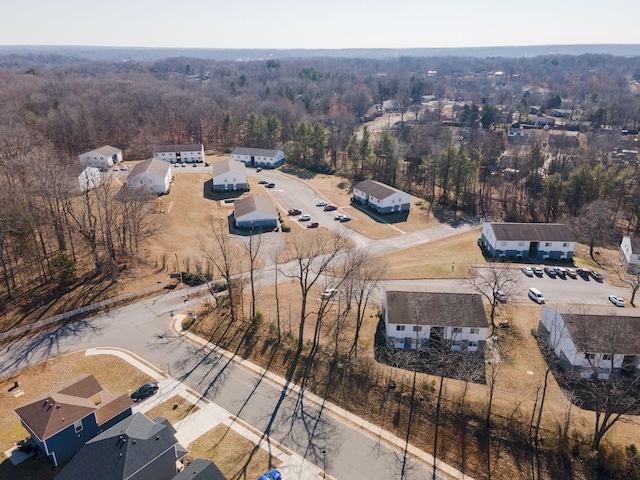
(178, 266)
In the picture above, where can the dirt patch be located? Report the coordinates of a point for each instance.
(174, 409)
(235, 456)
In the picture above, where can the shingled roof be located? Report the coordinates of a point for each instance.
(227, 166)
(635, 245)
(376, 189)
(253, 203)
(177, 148)
(439, 309)
(255, 152)
(70, 402)
(122, 450)
(106, 150)
(200, 469)
(533, 232)
(152, 166)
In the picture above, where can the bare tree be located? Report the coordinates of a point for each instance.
(491, 279)
(252, 248)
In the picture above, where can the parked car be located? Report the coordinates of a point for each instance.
(206, 164)
(195, 165)
(263, 182)
(144, 391)
(584, 272)
(313, 225)
(345, 218)
(500, 296)
(184, 165)
(271, 475)
(339, 216)
(561, 272)
(330, 208)
(329, 292)
(294, 211)
(304, 218)
(535, 295)
(617, 301)
(597, 276)
(115, 168)
(537, 271)
(551, 272)
(270, 185)
(321, 203)
(571, 273)
(259, 169)
(124, 168)
(528, 271)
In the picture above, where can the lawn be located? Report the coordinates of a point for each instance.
(174, 409)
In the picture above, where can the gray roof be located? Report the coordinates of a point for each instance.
(177, 148)
(152, 166)
(376, 189)
(122, 450)
(432, 308)
(200, 469)
(106, 150)
(227, 166)
(253, 203)
(603, 329)
(256, 152)
(533, 232)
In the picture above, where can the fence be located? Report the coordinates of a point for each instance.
(78, 311)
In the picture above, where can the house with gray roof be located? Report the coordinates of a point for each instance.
(418, 319)
(254, 211)
(630, 254)
(200, 469)
(64, 419)
(192, 153)
(258, 157)
(229, 176)
(535, 241)
(135, 448)
(381, 198)
(152, 175)
(595, 342)
(103, 157)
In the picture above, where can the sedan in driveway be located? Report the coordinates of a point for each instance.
(345, 218)
(144, 391)
(617, 301)
(270, 185)
(528, 271)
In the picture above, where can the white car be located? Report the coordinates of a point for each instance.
(321, 203)
(304, 218)
(329, 292)
(528, 271)
(124, 168)
(115, 169)
(617, 301)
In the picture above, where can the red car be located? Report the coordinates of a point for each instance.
(313, 225)
(294, 211)
(330, 208)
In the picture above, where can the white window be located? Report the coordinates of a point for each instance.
(400, 328)
(521, 244)
(78, 426)
(547, 244)
(474, 330)
(457, 330)
(473, 343)
(606, 357)
(417, 328)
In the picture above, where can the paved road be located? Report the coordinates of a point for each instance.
(144, 328)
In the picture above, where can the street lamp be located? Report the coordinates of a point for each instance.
(178, 266)
(324, 464)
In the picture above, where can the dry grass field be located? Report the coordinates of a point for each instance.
(174, 409)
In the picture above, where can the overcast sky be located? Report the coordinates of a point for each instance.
(318, 24)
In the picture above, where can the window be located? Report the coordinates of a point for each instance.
(417, 328)
(521, 244)
(503, 244)
(78, 426)
(606, 357)
(400, 328)
(474, 330)
(547, 244)
(589, 356)
(473, 343)
(457, 330)
(565, 244)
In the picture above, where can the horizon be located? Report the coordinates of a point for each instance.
(332, 25)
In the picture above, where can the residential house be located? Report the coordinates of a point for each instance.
(258, 157)
(564, 139)
(179, 153)
(254, 211)
(104, 157)
(64, 419)
(381, 198)
(200, 469)
(229, 176)
(152, 175)
(539, 241)
(630, 254)
(81, 179)
(597, 343)
(134, 449)
(540, 122)
(418, 319)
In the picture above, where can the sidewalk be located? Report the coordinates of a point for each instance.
(209, 416)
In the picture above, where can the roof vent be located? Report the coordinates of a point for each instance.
(57, 406)
(157, 437)
(133, 442)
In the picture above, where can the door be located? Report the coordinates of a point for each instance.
(407, 343)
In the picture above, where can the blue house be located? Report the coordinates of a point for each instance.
(63, 420)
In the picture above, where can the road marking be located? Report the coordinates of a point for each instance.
(170, 206)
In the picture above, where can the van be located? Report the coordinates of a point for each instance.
(535, 295)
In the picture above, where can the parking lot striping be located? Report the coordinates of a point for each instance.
(170, 206)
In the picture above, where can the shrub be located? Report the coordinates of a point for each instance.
(257, 320)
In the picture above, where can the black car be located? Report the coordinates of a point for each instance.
(144, 391)
(584, 272)
(270, 185)
(263, 182)
(597, 276)
(550, 271)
